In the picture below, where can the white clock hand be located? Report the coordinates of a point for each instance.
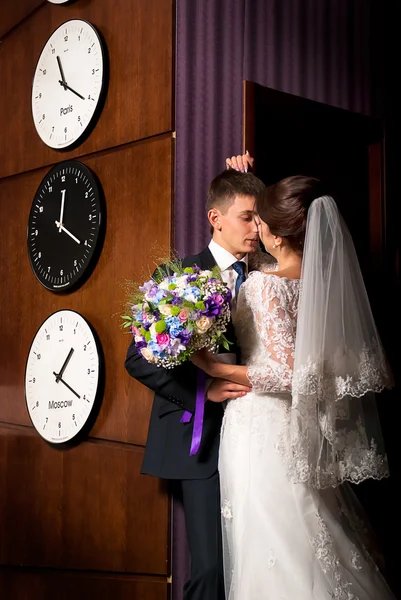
(61, 209)
(62, 228)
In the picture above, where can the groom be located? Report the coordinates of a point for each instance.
(231, 213)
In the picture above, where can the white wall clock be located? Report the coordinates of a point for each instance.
(69, 84)
(63, 378)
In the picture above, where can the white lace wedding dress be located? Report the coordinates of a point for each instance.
(282, 541)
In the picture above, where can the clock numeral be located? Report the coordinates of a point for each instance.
(86, 194)
(61, 272)
(39, 255)
(89, 50)
(43, 117)
(85, 242)
(63, 176)
(53, 50)
(33, 379)
(76, 179)
(90, 217)
(93, 71)
(48, 269)
(65, 131)
(66, 38)
(40, 209)
(60, 328)
(75, 331)
(59, 424)
(36, 232)
(37, 403)
(50, 186)
(89, 371)
(44, 71)
(38, 356)
(79, 38)
(84, 347)
(48, 336)
(73, 417)
(40, 95)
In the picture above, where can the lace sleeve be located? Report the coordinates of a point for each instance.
(274, 306)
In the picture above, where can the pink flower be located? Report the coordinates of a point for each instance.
(162, 339)
(183, 314)
(135, 330)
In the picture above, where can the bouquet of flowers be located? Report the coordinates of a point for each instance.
(177, 312)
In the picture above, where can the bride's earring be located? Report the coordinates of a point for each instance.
(274, 245)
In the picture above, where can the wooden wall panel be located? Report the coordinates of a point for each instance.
(139, 103)
(12, 13)
(85, 508)
(137, 183)
(21, 584)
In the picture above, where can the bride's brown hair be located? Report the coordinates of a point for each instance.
(284, 206)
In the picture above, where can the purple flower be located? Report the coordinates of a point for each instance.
(219, 299)
(152, 292)
(140, 345)
(146, 325)
(176, 301)
(212, 309)
(184, 336)
(147, 286)
(192, 278)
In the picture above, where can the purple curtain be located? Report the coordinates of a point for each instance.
(324, 50)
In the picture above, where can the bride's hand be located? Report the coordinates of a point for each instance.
(205, 360)
(242, 162)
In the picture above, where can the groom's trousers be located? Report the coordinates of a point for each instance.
(201, 502)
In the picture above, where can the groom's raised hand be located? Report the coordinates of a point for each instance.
(221, 389)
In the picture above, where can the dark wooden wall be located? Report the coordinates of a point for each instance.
(83, 523)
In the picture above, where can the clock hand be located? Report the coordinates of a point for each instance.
(58, 377)
(67, 87)
(62, 228)
(64, 83)
(62, 209)
(66, 385)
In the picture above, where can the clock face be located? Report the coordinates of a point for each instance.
(68, 84)
(62, 377)
(66, 226)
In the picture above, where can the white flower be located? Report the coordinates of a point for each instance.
(148, 354)
(203, 324)
(165, 309)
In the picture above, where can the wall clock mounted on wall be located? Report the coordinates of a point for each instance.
(66, 226)
(64, 378)
(69, 84)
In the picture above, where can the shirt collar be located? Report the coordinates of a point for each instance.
(223, 258)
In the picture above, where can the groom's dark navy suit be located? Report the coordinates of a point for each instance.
(167, 455)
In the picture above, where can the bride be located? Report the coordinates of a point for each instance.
(292, 528)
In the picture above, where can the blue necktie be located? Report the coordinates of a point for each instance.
(239, 267)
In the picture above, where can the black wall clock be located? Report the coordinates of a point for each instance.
(66, 226)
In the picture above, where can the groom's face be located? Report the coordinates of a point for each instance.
(238, 231)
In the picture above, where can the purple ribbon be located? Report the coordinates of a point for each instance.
(199, 412)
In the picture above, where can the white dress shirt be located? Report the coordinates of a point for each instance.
(225, 261)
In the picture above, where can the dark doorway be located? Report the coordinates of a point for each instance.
(289, 135)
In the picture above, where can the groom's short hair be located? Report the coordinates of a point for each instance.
(231, 183)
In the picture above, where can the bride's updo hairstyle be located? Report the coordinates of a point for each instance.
(284, 206)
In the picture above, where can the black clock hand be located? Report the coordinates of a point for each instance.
(58, 377)
(67, 87)
(64, 83)
(66, 385)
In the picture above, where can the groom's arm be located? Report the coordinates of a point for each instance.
(177, 385)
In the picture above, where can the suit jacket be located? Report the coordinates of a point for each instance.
(169, 441)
